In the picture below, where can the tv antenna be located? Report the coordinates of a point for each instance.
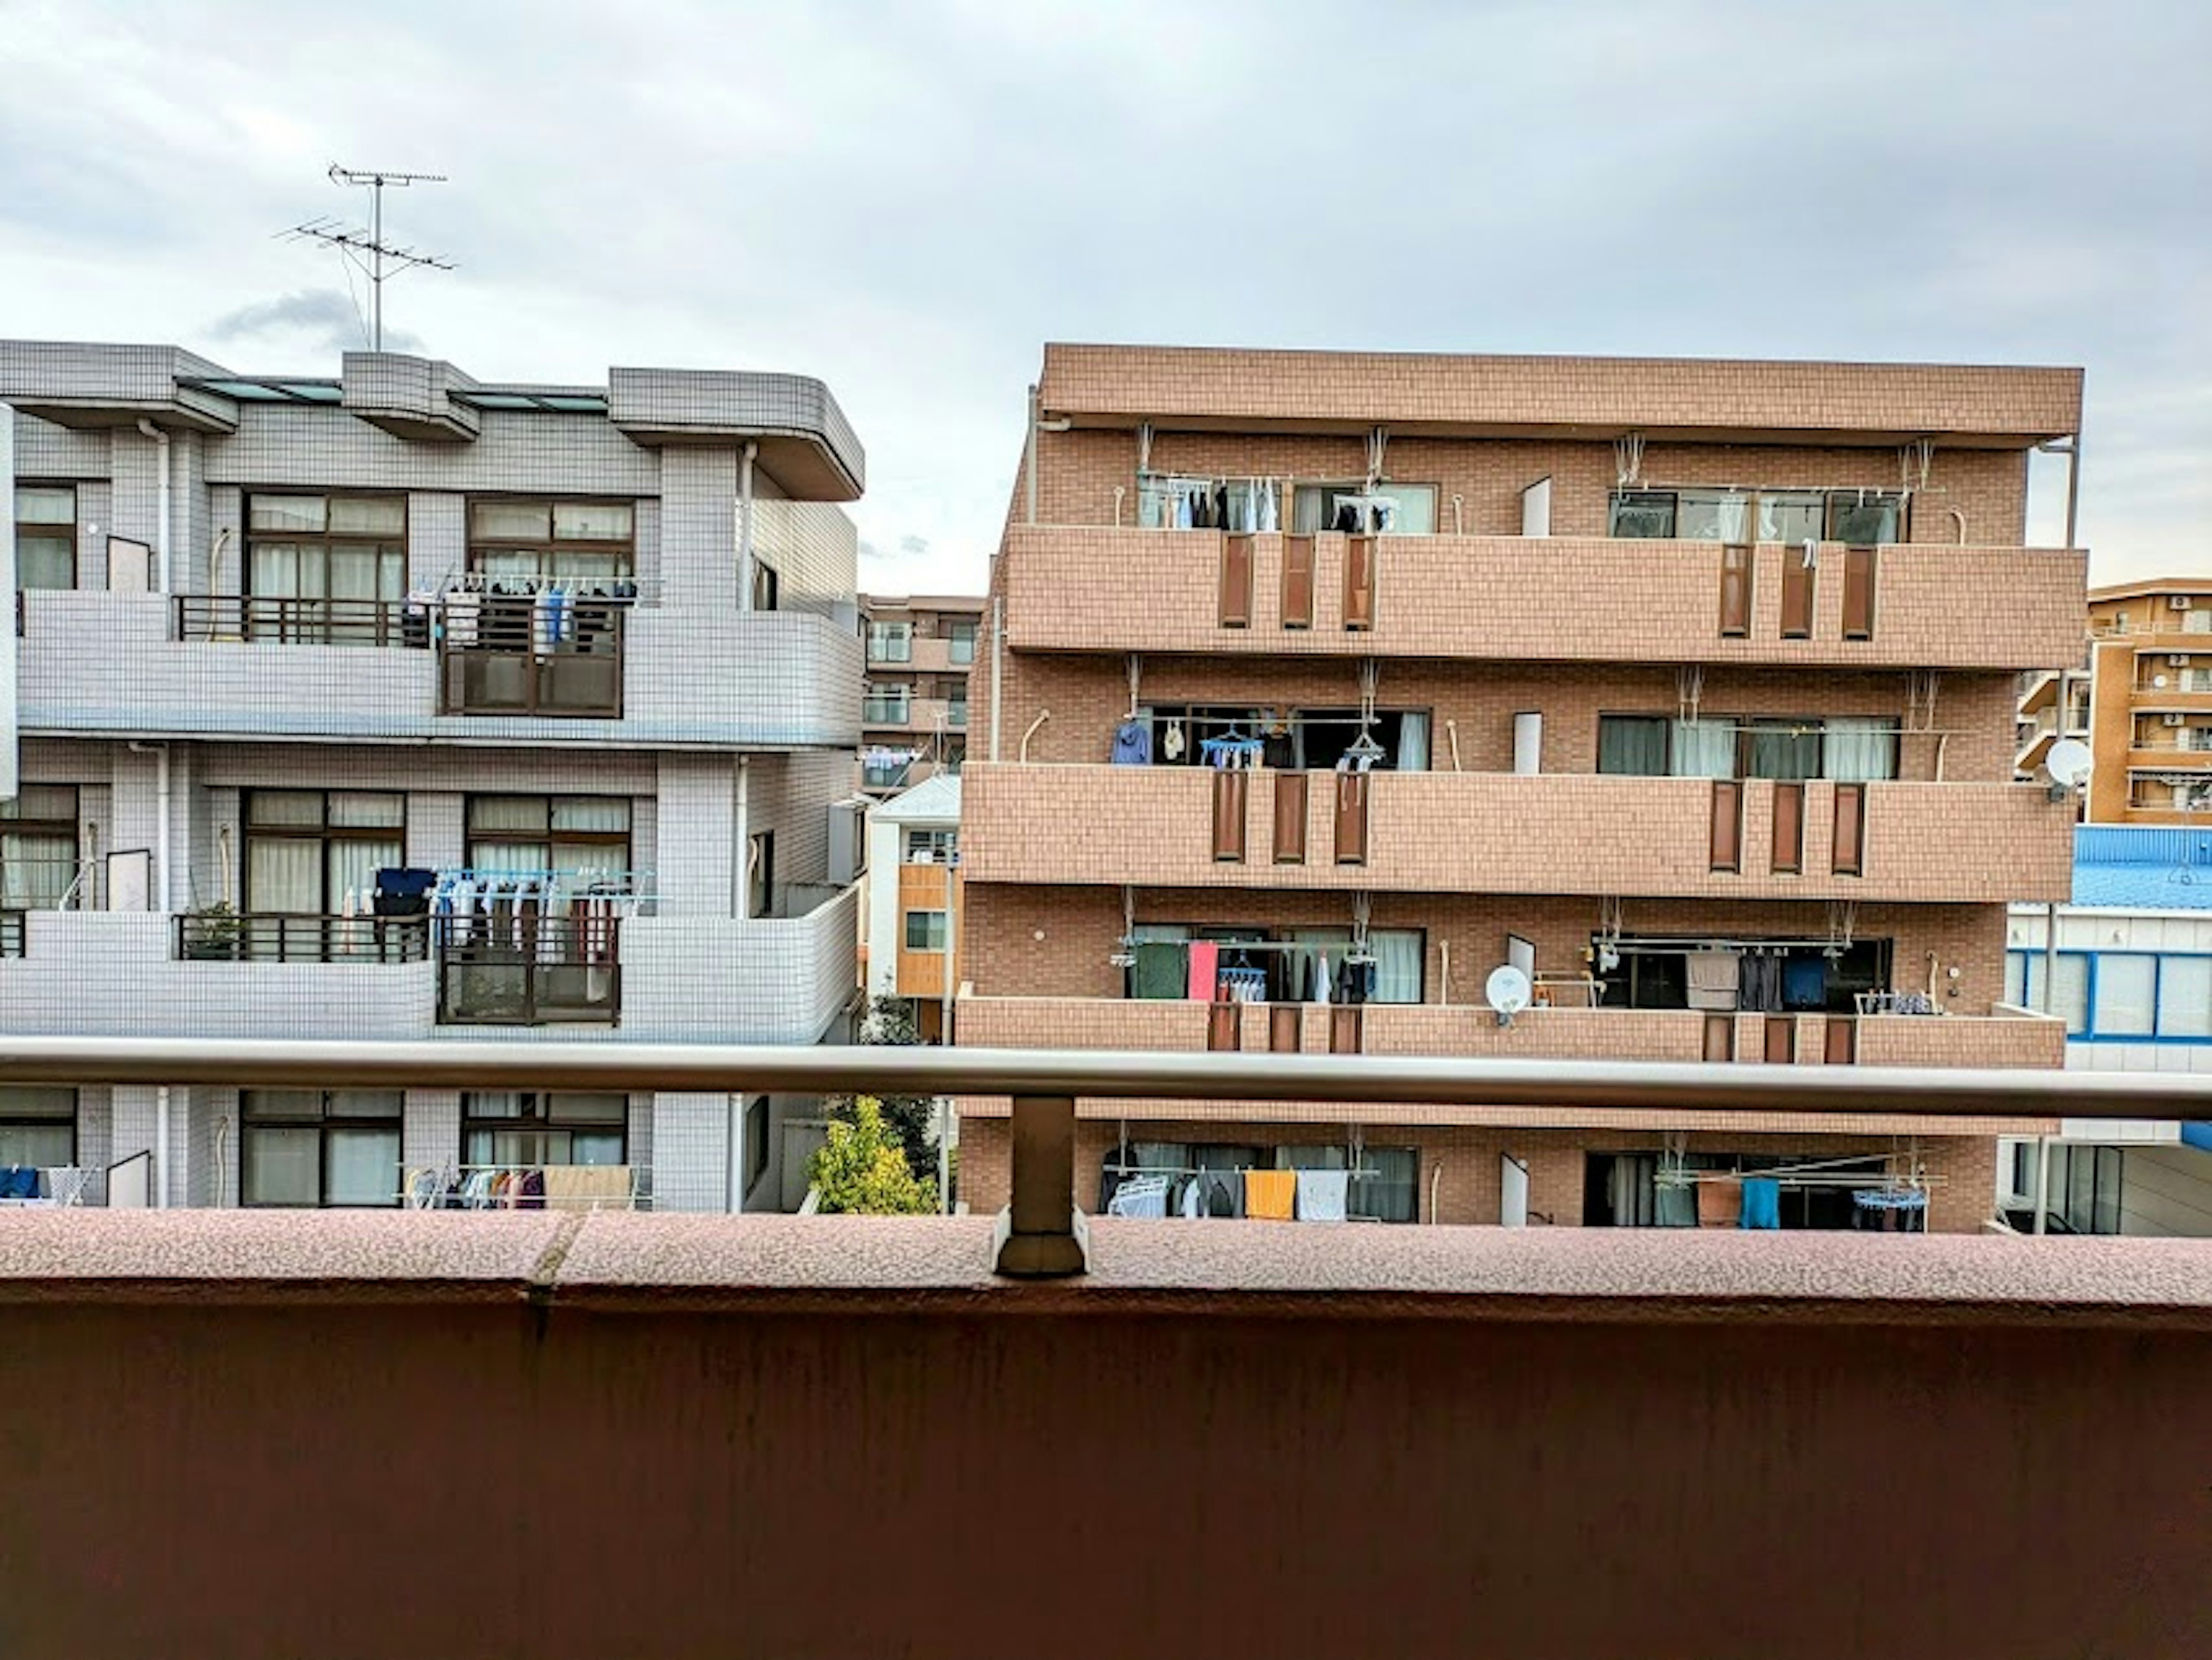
(366, 249)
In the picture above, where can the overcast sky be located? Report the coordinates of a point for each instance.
(908, 199)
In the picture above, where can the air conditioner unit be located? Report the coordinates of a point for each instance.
(2180, 601)
(2177, 720)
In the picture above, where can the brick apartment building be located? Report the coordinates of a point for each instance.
(584, 658)
(914, 719)
(1687, 688)
(2148, 701)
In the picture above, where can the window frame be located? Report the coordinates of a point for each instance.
(883, 633)
(12, 825)
(967, 630)
(757, 1148)
(13, 1115)
(926, 914)
(1835, 501)
(325, 542)
(324, 1120)
(625, 838)
(47, 531)
(538, 1115)
(941, 842)
(323, 833)
(623, 551)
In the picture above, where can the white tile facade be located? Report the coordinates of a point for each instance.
(733, 722)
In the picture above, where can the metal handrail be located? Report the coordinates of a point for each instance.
(1904, 1092)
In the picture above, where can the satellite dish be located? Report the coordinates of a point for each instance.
(1507, 991)
(2068, 761)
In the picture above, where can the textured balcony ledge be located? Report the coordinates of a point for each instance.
(772, 1264)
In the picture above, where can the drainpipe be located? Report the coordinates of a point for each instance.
(161, 1147)
(741, 900)
(161, 754)
(998, 688)
(2073, 486)
(2042, 1183)
(745, 524)
(1030, 460)
(160, 499)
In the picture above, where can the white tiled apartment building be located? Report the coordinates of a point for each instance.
(583, 659)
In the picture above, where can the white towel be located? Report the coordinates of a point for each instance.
(1321, 1195)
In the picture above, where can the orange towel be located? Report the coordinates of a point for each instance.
(1270, 1195)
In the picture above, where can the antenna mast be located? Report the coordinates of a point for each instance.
(367, 250)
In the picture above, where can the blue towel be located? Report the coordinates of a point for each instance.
(1762, 1202)
(1804, 982)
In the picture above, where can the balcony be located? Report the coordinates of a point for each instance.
(227, 937)
(2007, 1038)
(1087, 588)
(530, 971)
(1441, 832)
(770, 679)
(257, 621)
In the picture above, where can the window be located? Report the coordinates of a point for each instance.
(38, 846)
(960, 640)
(1788, 751)
(881, 775)
(45, 536)
(567, 833)
(318, 1148)
(933, 846)
(37, 1127)
(2124, 995)
(303, 550)
(2072, 986)
(589, 541)
(1860, 517)
(1634, 743)
(537, 1127)
(886, 704)
(1325, 507)
(755, 1141)
(306, 850)
(890, 642)
(2085, 1188)
(924, 930)
(2185, 997)
(760, 874)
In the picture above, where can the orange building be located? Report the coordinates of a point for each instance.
(2150, 704)
(1681, 687)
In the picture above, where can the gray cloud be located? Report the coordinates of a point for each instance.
(326, 317)
(956, 182)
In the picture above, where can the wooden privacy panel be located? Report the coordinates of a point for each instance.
(1236, 581)
(1360, 583)
(1285, 1028)
(1796, 595)
(1842, 1048)
(1352, 797)
(1231, 792)
(1735, 593)
(1781, 1039)
(1851, 831)
(1720, 1038)
(1789, 830)
(1291, 790)
(1345, 1034)
(1224, 1026)
(1297, 582)
(1858, 594)
(1728, 825)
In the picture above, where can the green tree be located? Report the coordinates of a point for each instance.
(911, 1119)
(860, 1169)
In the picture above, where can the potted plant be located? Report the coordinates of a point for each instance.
(212, 934)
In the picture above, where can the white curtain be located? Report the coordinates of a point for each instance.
(364, 1166)
(1397, 964)
(284, 875)
(1413, 742)
(1704, 749)
(1860, 749)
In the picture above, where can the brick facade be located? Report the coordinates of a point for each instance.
(1476, 625)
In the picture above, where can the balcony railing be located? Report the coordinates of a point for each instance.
(263, 621)
(529, 971)
(11, 934)
(258, 937)
(510, 662)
